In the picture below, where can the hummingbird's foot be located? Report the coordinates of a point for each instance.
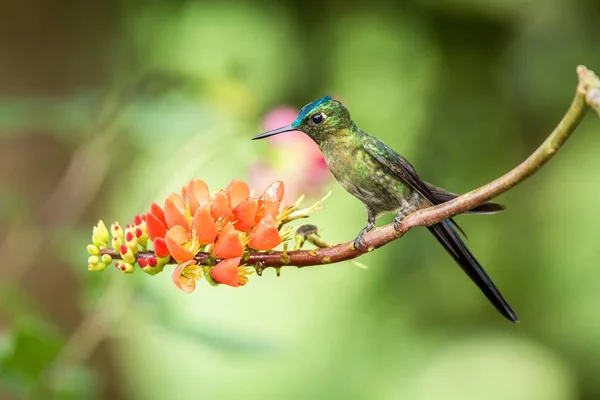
(398, 222)
(359, 243)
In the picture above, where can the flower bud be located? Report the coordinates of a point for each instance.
(151, 265)
(100, 235)
(124, 267)
(93, 250)
(98, 267)
(141, 234)
(126, 254)
(102, 231)
(131, 240)
(116, 230)
(162, 261)
(116, 243)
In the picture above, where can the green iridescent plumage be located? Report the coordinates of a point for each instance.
(386, 182)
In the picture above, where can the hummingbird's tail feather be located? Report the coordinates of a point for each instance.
(486, 208)
(448, 237)
(443, 196)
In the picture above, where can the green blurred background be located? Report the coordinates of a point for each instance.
(106, 106)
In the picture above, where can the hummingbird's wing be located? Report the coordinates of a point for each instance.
(396, 165)
(400, 167)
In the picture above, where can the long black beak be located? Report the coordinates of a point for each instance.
(287, 128)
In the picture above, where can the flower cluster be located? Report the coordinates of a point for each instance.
(226, 223)
(226, 226)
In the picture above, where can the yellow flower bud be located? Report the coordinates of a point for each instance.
(102, 232)
(116, 230)
(131, 241)
(93, 250)
(116, 243)
(127, 255)
(97, 267)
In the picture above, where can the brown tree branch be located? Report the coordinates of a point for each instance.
(587, 93)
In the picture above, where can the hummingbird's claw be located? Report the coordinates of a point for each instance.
(359, 242)
(360, 245)
(398, 222)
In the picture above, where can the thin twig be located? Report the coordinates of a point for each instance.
(587, 93)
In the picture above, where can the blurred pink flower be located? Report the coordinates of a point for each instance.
(294, 158)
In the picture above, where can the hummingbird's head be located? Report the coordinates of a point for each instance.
(320, 119)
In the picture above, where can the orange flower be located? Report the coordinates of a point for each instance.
(155, 221)
(265, 235)
(220, 207)
(186, 274)
(269, 201)
(228, 244)
(160, 247)
(238, 192)
(175, 210)
(157, 229)
(184, 225)
(228, 272)
(244, 214)
(204, 226)
(196, 195)
(179, 244)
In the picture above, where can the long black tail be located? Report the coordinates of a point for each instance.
(448, 237)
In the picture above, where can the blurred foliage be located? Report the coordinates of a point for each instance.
(108, 106)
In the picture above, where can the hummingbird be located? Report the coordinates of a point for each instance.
(384, 181)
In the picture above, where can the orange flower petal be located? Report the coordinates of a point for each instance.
(156, 228)
(265, 235)
(184, 193)
(221, 207)
(160, 247)
(173, 213)
(226, 228)
(178, 201)
(157, 211)
(204, 226)
(269, 201)
(238, 191)
(175, 237)
(197, 195)
(227, 272)
(244, 214)
(184, 279)
(228, 245)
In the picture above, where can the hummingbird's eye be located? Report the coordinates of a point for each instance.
(318, 118)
